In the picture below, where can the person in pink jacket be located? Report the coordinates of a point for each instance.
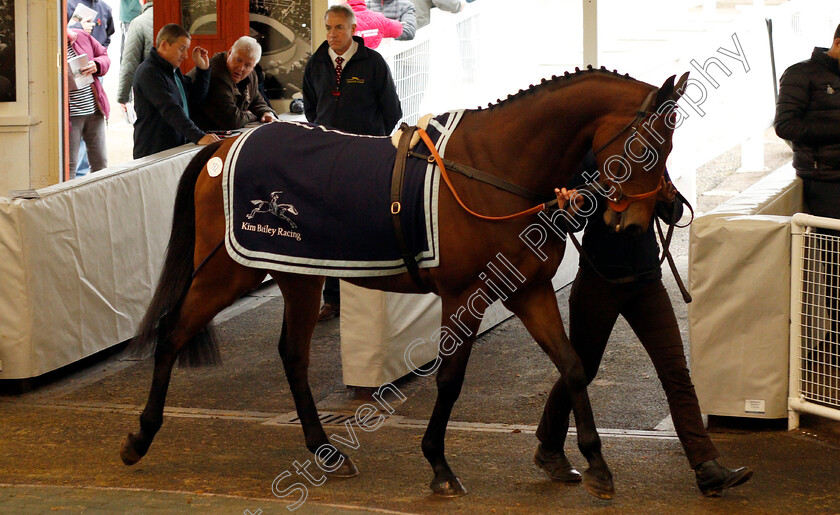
(373, 26)
(89, 106)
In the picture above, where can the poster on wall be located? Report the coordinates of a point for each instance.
(284, 33)
(7, 51)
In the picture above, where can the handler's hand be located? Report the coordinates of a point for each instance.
(667, 193)
(268, 117)
(207, 139)
(564, 196)
(201, 58)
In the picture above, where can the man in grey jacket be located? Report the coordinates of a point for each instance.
(400, 10)
(422, 8)
(138, 43)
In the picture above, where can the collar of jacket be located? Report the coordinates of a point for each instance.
(820, 56)
(361, 53)
(160, 61)
(147, 5)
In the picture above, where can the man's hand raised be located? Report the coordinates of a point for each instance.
(201, 58)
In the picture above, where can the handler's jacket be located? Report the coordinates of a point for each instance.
(228, 106)
(368, 102)
(618, 255)
(808, 115)
(162, 122)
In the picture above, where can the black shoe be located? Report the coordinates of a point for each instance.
(556, 465)
(328, 312)
(713, 479)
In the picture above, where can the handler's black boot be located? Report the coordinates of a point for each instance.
(556, 465)
(713, 479)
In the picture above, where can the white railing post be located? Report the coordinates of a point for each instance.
(796, 237)
(590, 33)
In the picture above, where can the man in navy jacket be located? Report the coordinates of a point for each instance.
(365, 99)
(162, 94)
(349, 87)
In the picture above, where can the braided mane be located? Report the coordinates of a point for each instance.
(555, 79)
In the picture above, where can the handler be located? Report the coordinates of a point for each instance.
(347, 86)
(627, 280)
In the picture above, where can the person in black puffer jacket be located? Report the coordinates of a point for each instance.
(808, 115)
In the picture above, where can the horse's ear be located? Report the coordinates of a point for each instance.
(665, 90)
(679, 88)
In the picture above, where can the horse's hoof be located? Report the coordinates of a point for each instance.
(448, 488)
(556, 466)
(347, 469)
(128, 453)
(602, 488)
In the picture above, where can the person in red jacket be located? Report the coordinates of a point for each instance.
(373, 27)
(89, 106)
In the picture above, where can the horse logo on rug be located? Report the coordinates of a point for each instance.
(271, 206)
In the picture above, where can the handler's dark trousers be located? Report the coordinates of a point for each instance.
(594, 306)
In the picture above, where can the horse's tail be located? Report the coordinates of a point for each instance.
(176, 277)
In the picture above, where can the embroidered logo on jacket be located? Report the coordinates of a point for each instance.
(354, 80)
(275, 208)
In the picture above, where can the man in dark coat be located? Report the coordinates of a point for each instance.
(347, 86)
(808, 115)
(101, 27)
(233, 99)
(162, 94)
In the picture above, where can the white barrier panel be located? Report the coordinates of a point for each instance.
(78, 265)
(815, 318)
(739, 319)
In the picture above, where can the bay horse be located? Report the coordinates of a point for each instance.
(534, 140)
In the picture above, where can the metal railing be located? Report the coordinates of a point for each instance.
(431, 51)
(815, 318)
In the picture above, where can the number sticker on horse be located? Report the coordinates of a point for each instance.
(214, 167)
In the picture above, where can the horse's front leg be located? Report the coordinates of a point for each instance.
(458, 330)
(537, 307)
(302, 297)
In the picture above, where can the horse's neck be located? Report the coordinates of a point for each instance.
(539, 141)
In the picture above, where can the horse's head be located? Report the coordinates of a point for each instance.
(631, 151)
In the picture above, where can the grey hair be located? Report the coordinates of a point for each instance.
(344, 10)
(248, 46)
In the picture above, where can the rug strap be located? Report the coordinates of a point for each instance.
(396, 205)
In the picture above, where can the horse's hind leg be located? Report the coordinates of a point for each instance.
(537, 308)
(455, 346)
(217, 286)
(302, 297)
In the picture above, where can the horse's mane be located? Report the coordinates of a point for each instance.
(561, 80)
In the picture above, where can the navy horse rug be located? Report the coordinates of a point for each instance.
(305, 199)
